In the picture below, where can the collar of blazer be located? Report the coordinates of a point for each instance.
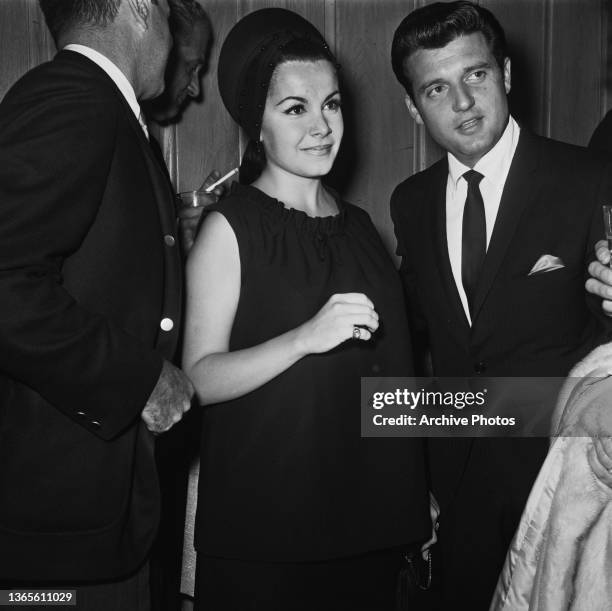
(519, 191)
(84, 65)
(159, 177)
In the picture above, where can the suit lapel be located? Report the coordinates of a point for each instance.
(439, 238)
(160, 181)
(164, 199)
(155, 164)
(517, 195)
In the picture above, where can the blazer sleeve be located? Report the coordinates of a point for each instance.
(55, 154)
(416, 318)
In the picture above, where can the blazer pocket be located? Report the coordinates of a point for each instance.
(551, 285)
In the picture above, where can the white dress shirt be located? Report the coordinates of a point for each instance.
(116, 75)
(494, 166)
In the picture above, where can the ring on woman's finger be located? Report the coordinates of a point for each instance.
(356, 332)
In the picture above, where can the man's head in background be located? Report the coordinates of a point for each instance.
(191, 30)
(133, 34)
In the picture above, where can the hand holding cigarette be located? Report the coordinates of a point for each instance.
(191, 205)
(214, 185)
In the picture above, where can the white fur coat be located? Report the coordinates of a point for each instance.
(561, 555)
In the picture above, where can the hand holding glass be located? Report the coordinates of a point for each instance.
(607, 216)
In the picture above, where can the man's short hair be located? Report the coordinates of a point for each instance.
(184, 14)
(435, 25)
(63, 14)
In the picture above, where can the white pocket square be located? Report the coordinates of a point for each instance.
(546, 263)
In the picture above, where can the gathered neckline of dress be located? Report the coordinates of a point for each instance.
(331, 224)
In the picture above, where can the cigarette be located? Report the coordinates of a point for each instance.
(221, 180)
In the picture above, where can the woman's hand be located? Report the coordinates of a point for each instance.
(336, 321)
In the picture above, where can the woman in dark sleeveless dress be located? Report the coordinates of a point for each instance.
(292, 298)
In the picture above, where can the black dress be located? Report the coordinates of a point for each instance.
(285, 475)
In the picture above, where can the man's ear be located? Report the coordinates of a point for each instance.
(413, 110)
(507, 79)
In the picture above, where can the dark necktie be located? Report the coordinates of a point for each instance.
(473, 237)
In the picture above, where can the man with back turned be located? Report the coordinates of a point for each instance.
(90, 289)
(495, 240)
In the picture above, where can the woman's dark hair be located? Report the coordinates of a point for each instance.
(298, 49)
(435, 25)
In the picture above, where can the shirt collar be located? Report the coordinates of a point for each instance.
(113, 72)
(496, 163)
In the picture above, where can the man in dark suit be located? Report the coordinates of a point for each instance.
(601, 140)
(90, 286)
(495, 240)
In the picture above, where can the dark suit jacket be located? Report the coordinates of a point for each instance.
(538, 325)
(601, 140)
(88, 268)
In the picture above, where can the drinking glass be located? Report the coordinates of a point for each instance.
(607, 216)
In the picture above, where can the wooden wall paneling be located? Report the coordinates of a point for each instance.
(605, 93)
(606, 52)
(606, 59)
(14, 53)
(14, 63)
(207, 137)
(329, 30)
(313, 10)
(577, 82)
(24, 40)
(41, 45)
(379, 139)
(527, 24)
